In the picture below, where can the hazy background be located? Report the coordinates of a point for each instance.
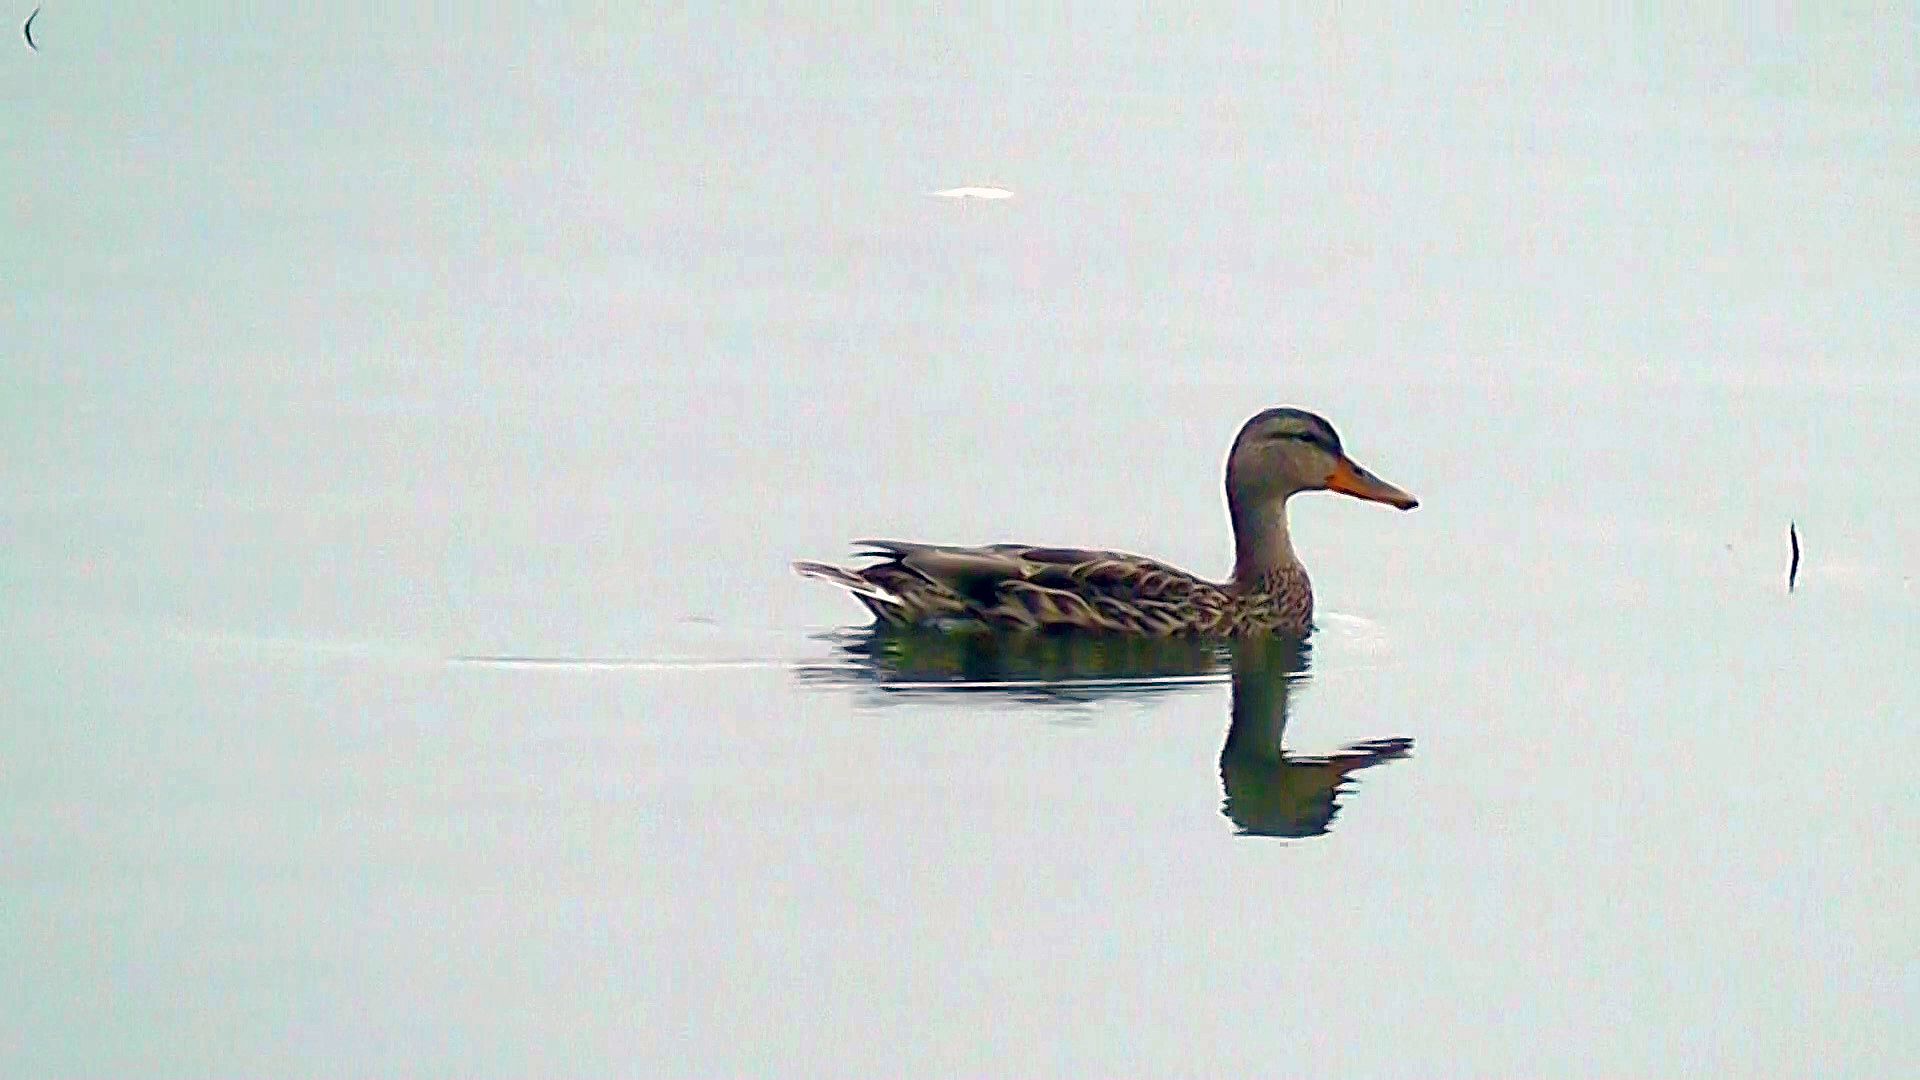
(339, 345)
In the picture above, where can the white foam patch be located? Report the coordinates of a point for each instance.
(1842, 574)
(975, 192)
(1354, 633)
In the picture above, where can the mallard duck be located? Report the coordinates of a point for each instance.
(1015, 587)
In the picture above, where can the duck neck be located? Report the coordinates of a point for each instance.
(1261, 546)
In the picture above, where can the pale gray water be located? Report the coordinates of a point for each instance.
(336, 352)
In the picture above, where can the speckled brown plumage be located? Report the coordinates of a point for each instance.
(1017, 587)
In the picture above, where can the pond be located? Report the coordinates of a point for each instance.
(406, 674)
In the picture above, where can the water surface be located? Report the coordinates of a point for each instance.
(409, 425)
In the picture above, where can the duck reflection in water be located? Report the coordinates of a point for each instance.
(1268, 791)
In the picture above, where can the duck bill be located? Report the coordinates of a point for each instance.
(1351, 479)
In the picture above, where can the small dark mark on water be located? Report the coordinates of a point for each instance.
(1793, 568)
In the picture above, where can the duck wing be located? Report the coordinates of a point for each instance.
(1017, 586)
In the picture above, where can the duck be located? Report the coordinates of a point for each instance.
(1277, 454)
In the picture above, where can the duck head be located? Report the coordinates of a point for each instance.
(1283, 451)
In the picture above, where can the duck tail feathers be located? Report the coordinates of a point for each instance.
(846, 579)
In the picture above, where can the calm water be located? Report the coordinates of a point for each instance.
(407, 428)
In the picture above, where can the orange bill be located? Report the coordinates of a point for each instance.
(1351, 479)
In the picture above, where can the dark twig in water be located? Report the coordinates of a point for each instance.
(27, 29)
(1793, 568)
